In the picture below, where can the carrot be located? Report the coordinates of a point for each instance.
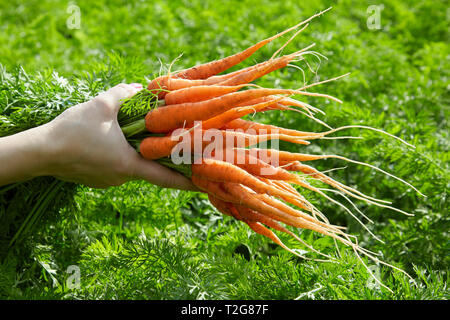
(253, 201)
(250, 139)
(223, 77)
(207, 70)
(214, 67)
(162, 120)
(278, 211)
(212, 187)
(255, 216)
(262, 169)
(220, 205)
(285, 102)
(164, 84)
(302, 183)
(260, 128)
(260, 229)
(153, 148)
(258, 167)
(221, 120)
(259, 70)
(285, 155)
(220, 171)
(253, 72)
(295, 103)
(199, 93)
(239, 192)
(314, 173)
(222, 197)
(286, 186)
(254, 220)
(220, 78)
(234, 193)
(297, 166)
(295, 199)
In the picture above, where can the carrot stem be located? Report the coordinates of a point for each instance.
(184, 169)
(134, 128)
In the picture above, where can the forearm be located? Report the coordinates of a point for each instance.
(24, 156)
(85, 145)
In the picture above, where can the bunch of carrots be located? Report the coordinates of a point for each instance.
(256, 186)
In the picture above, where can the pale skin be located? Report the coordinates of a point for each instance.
(84, 145)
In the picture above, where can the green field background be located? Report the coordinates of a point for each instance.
(138, 241)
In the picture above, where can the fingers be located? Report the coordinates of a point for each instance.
(157, 174)
(113, 98)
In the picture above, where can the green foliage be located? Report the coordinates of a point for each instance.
(138, 241)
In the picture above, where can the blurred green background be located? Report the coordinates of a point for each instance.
(138, 241)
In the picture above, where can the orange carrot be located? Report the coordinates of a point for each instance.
(299, 200)
(259, 70)
(260, 229)
(285, 155)
(255, 216)
(295, 103)
(250, 139)
(284, 104)
(163, 84)
(214, 67)
(220, 171)
(279, 104)
(255, 71)
(223, 77)
(259, 128)
(221, 120)
(153, 148)
(253, 201)
(220, 205)
(314, 173)
(162, 120)
(258, 167)
(234, 193)
(247, 215)
(254, 220)
(286, 186)
(212, 187)
(199, 93)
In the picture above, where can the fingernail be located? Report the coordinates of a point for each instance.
(136, 85)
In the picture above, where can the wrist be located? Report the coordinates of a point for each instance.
(24, 155)
(42, 152)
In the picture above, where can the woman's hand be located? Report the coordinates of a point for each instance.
(85, 145)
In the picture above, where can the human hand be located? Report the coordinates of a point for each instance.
(86, 145)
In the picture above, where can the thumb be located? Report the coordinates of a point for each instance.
(157, 174)
(114, 97)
